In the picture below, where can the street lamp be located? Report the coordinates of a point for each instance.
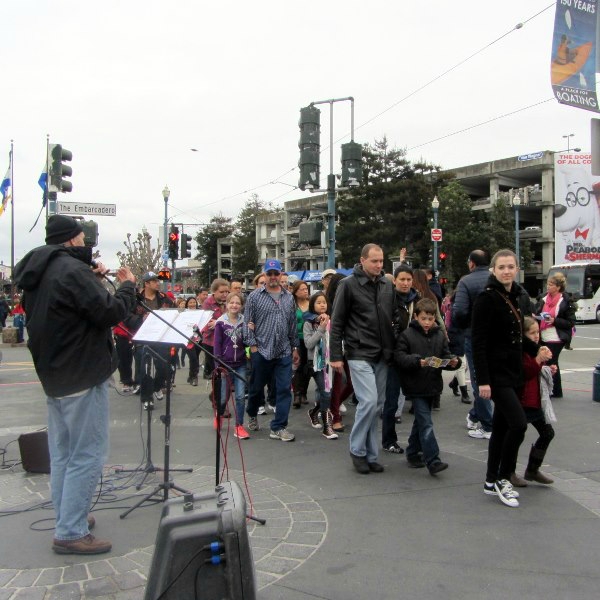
(568, 138)
(166, 193)
(516, 202)
(435, 204)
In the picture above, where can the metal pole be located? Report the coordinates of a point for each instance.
(165, 194)
(435, 244)
(331, 195)
(12, 225)
(517, 241)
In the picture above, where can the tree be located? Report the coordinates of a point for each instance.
(464, 229)
(218, 227)
(245, 253)
(140, 257)
(391, 208)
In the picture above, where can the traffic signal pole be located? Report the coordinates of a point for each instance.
(331, 183)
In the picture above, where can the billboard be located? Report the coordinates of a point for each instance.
(576, 209)
(573, 63)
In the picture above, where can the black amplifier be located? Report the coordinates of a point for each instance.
(203, 549)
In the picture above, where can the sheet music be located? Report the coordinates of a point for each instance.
(154, 330)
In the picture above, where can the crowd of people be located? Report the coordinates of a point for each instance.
(382, 338)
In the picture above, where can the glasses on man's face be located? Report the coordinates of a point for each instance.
(582, 197)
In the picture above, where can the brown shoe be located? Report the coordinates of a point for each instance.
(539, 477)
(517, 481)
(88, 544)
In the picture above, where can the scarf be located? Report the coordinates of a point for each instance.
(321, 358)
(550, 305)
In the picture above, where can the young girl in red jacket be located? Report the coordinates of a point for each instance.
(531, 400)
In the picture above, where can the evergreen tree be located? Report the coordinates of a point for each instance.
(391, 208)
(464, 230)
(206, 239)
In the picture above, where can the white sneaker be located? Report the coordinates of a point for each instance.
(158, 395)
(506, 494)
(284, 435)
(471, 424)
(480, 434)
(262, 410)
(343, 409)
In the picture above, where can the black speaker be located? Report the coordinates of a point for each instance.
(202, 548)
(34, 452)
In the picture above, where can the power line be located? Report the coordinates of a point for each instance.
(398, 102)
(514, 112)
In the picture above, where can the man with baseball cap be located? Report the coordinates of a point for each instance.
(154, 299)
(70, 315)
(273, 340)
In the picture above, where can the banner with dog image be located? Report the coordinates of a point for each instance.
(576, 209)
(573, 63)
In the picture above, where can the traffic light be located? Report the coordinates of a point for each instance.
(443, 257)
(186, 245)
(90, 231)
(174, 242)
(164, 274)
(310, 145)
(351, 164)
(58, 170)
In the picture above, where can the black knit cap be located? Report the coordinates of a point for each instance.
(61, 229)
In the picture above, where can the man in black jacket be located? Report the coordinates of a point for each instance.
(362, 318)
(479, 418)
(69, 320)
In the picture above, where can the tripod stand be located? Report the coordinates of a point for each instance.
(166, 484)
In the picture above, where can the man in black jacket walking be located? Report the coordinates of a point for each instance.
(69, 320)
(362, 318)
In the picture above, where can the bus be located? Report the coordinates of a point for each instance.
(583, 284)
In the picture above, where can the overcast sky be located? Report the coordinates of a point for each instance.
(131, 86)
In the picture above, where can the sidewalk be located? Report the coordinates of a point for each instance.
(331, 533)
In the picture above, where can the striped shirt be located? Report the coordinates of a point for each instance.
(275, 332)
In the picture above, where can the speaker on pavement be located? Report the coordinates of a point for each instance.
(202, 548)
(34, 452)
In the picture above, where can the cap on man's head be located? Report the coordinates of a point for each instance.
(61, 229)
(272, 264)
(328, 272)
(149, 276)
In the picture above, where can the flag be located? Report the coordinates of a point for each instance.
(43, 183)
(6, 187)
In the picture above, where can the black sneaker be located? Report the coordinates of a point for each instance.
(394, 448)
(415, 461)
(437, 467)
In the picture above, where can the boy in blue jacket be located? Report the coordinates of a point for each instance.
(421, 383)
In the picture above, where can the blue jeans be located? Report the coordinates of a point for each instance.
(323, 397)
(482, 409)
(422, 438)
(393, 397)
(78, 443)
(369, 381)
(239, 387)
(281, 368)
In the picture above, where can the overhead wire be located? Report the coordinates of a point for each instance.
(398, 102)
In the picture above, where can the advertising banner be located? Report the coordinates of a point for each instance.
(576, 209)
(573, 66)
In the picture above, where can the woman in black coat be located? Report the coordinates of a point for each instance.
(556, 313)
(497, 337)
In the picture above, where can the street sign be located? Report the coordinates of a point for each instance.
(86, 208)
(436, 235)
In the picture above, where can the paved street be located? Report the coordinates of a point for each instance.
(331, 533)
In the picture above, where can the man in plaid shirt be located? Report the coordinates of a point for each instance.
(272, 336)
